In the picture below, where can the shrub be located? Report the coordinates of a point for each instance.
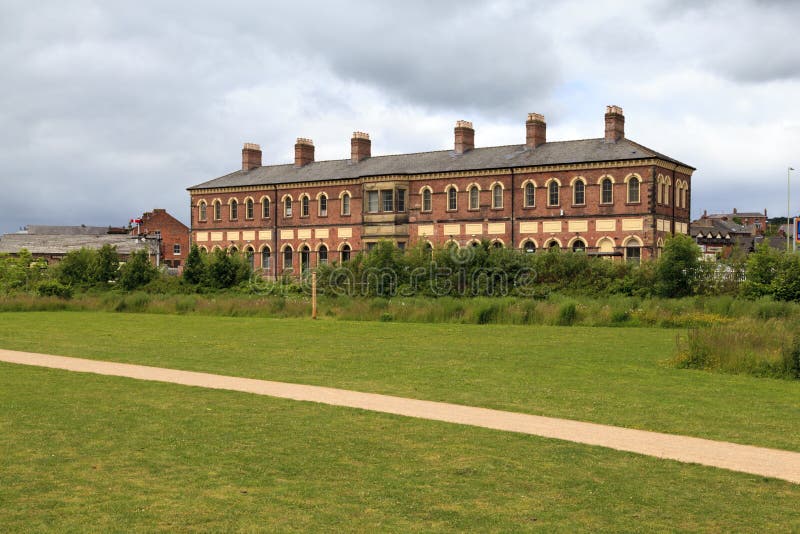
(677, 269)
(53, 288)
(567, 314)
(195, 269)
(137, 272)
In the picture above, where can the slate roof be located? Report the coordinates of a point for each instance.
(66, 230)
(717, 226)
(552, 153)
(61, 244)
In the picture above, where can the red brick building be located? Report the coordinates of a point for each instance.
(169, 237)
(607, 196)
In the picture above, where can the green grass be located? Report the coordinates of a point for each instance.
(607, 375)
(82, 452)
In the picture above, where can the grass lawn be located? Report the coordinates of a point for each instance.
(605, 375)
(81, 452)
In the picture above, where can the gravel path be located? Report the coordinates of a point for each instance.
(747, 459)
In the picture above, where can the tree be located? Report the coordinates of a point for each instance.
(678, 268)
(195, 269)
(762, 268)
(104, 265)
(75, 268)
(138, 271)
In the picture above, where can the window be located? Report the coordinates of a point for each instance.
(401, 200)
(529, 246)
(322, 254)
(304, 206)
(250, 254)
(287, 207)
(660, 197)
(684, 189)
(323, 205)
(287, 257)
(217, 210)
(474, 197)
(387, 198)
(633, 253)
(452, 200)
(633, 190)
(249, 209)
(265, 208)
(530, 195)
(201, 215)
(579, 246)
(607, 191)
(234, 209)
(497, 244)
(426, 200)
(372, 202)
(305, 259)
(346, 204)
(554, 246)
(176, 249)
(579, 193)
(265, 258)
(667, 187)
(497, 196)
(345, 253)
(552, 193)
(401, 245)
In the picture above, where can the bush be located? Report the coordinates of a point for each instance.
(137, 272)
(567, 314)
(678, 268)
(53, 288)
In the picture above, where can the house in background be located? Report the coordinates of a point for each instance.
(719, 237)
(52, 243)
(755, 222)
(170, 237)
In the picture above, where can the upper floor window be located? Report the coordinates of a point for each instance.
(176, 249)
(474, 197)
(304, 206)
(387, 199)
(497, 196)
(606, 191)
(552, 193)
(684, 189)
(401, 200)
(234, 209)
(633, 189)
(323, 205)
(530, 195)
(287, 207)
(579, 193)
(249, 208)
(217, 210)
(265, 208)
(452, 199)
(372, 202)
(201, 211)
(660, 194)
(427, 203)
(346, 204)
(667, 187)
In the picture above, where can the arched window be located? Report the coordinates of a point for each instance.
(667, 187)
(426, 199)
(554, 245)
(660, 194)
(265, 258)
(474, 197)
(323, 205)
(249, 210)
(234, 209)
(346, 204)
(497, 196)
(497, 244)
(287, 257)
(201, 212)
(633, 249)
(233, 250)
(345, 252)
(552, 193)
(305, 259)
(287, 207)
(217, 210)
(607, 191)
(250, 254)
(304, 206)
(322, 254)
(579, 246)
(265, 208)
(684, 189)
(529, 246)
(452, 199)
(579, 193)
(530, 195)
(633, 190)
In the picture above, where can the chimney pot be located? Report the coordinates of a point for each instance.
(464, 137)
(734, 211)
(303, 152)
(251, 156)
(615, 124)
(360, 147)
(535, 130)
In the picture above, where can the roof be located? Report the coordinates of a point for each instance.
(61, 244)
(552, 153)
(715, 226)
(66, 230)
(737, 214)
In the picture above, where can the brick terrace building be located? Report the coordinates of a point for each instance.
(171, 236)
(608, 196)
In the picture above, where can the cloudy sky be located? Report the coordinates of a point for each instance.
(109, 109)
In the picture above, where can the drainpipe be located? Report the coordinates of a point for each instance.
(276, 254)
(672, 202)
(513, 196)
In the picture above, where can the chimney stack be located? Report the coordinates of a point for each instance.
(734, 211)
(360, 147)
(535, 130)
(303, 152)
(251, 156)
(465, 137)
(615, 124)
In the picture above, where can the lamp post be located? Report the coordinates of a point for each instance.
(788, 204)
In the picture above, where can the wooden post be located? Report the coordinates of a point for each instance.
(313, 295)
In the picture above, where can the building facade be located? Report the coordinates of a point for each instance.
(607, 196)
(169, 236)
